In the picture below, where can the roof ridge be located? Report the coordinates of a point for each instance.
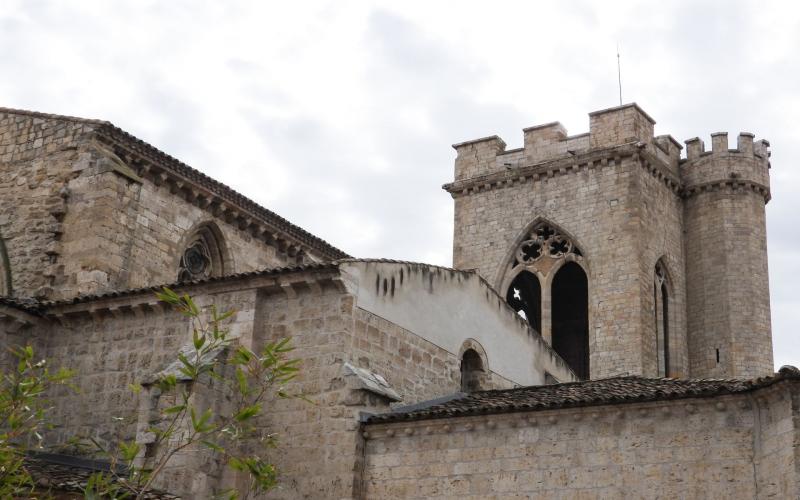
(612, 390)
(399, 261)
(122, 137)
(177, 284)
(116, 134)
(26, 304)
(53, 116)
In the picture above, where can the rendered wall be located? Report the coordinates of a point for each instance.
(449, 308)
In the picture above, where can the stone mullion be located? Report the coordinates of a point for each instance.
(547, 310)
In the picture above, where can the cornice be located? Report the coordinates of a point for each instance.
(596, 159)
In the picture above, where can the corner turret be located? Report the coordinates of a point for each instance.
(728, 313)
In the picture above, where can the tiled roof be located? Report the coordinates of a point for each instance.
(31, 306)
(616, 390)
(62, 473)
(118, 136)
(315, 266)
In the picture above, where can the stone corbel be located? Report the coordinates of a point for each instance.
(361, 381)
(289, 290)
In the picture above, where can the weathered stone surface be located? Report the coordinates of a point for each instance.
(628, 201)
(736, 446)
(93, 219)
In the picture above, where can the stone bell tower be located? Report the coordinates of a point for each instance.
(626, 257)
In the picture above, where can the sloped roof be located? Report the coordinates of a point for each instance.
(34, 306)
(615, 390)
(63, 473)
(136, 146)
(31, 306)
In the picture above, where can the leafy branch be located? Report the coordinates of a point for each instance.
(23, 409)
(212, 362)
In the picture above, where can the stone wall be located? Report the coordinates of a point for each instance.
(114, 341)
(726, 258)
(699, 448)
(35, 159)
(658, 212)
(123, 232)
(111, 349)
(594, 205)
(628, 200)
(776, 442)
(82, 214)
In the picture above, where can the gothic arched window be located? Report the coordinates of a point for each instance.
(661, 318)
(570, 317)
(203, 254)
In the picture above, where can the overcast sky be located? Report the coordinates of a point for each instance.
(339, 115)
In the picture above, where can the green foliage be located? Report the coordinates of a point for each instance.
(23, 410)
(212, 362)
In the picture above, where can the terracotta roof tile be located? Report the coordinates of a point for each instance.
(64, 473)
(28, 305)
(616, 390)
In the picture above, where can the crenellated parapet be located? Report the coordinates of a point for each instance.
(615, 132)
(549, 143)
(745, 166)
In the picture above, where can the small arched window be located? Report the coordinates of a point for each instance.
(472, 371)
(5, 270)
(661, 318)
(203, 254)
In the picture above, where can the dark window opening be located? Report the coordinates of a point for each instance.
(525, 296)
(570, 296)
(5, 270)
(471, 371)
(665, 325)
(661, 318)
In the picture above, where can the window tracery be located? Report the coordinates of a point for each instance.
(202, 256)
(544, 240)
(661, 319)
(195, 263)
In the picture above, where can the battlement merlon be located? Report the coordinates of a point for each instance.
(607, 128)
(615, 127)
(620, 125)
(748, 163)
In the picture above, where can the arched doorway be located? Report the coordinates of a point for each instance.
(570, 317)
(525, 296)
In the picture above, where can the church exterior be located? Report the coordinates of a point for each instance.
(604, 331)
